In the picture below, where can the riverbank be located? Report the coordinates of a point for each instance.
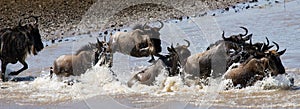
(62, 18)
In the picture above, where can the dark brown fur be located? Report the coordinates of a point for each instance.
(16, 43)
(250, 71)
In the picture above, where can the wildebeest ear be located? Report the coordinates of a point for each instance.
(248, 37)
(282, 52)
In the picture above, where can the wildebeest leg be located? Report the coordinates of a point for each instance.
(3, 69)
(25, 66)
(51, 72)
(152, 59)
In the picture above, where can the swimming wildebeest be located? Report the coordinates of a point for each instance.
(239, 39)
(211, 63)
(78, 63)
(249, 50)
(256, 69)
(17, 42)
(169, 62)
(140, 42)
(183, 52)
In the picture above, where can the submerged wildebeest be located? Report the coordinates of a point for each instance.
(169, 62)
(183, 52)
(78, 63)
(142, 41)
(17, 42)
(257, 68)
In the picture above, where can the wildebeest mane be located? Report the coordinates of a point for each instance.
(137, 26)
(88, 47)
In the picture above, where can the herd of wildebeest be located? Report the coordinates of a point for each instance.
(255, 60)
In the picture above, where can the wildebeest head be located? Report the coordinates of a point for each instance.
(275, 65)
(103, 54)
(183, 52)
(32, 31)
(173, 61)
(153, 31)
(168, 62)
(240, 38)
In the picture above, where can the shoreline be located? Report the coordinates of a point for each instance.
(68, 18)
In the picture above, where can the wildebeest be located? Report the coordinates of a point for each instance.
(239, 39)
(169, 62)
(17, 42)
(249, 50)
(183, 52)
(78, 63)
(256, 69)
(140, 42)
(211, 63)
(248, 73)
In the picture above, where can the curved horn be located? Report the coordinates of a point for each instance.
(267, 41)
(245, 30)
(162, 24)
(187, 42)
(223, 36)
(277, 46)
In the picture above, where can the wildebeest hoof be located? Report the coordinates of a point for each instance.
(3, 78)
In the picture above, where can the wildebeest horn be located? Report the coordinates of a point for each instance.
(267, 47)
(245, 30)
(277, 46)
(187, 43)
(223, 36)
(162, 24)
(247, 37)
